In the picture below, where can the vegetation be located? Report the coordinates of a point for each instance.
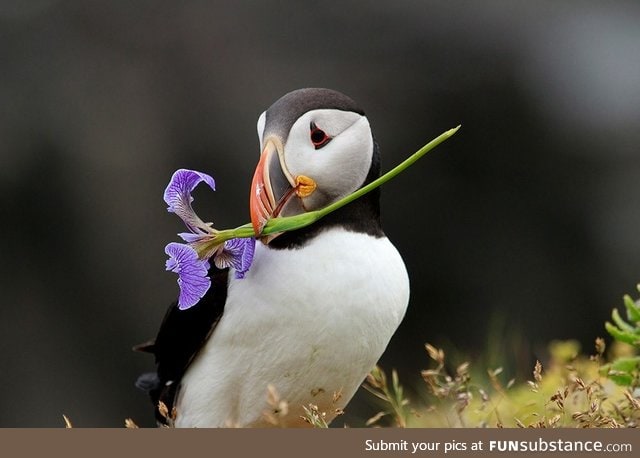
(574, 390)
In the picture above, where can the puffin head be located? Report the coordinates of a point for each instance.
(317, 147)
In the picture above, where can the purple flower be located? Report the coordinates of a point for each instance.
(192, 273)
(190, 260)
(178, 197)
(237, 253)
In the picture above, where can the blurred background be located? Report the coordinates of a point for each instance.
(521, 229)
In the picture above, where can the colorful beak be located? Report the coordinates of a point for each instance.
(270, 188)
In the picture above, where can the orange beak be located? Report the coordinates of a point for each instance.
(270, 188)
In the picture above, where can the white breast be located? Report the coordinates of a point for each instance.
(309, 321)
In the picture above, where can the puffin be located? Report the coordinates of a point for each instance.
(318, 306)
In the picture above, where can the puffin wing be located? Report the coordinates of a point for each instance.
(181, 336)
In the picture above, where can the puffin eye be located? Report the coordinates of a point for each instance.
(319, 138)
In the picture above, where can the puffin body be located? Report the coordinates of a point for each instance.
(311, 322)
(318, 306)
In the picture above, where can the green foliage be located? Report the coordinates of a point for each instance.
(625, 370)
(391, 395)
(572, 390)
(569, 392)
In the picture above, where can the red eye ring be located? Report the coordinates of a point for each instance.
(319, 137)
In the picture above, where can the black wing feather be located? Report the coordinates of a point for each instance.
(181, 336)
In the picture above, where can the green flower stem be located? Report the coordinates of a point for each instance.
(289, 223)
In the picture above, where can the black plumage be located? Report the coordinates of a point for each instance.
(182, 334)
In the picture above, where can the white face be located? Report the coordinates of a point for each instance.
(261, 121)
(338, 164)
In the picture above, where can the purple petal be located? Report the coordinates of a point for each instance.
(190, 237)
(237, 253)
(178, 197)
(192, 273)
(247, 257)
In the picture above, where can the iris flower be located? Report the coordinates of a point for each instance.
(189, 260)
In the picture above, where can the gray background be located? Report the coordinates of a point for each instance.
(521, 229)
